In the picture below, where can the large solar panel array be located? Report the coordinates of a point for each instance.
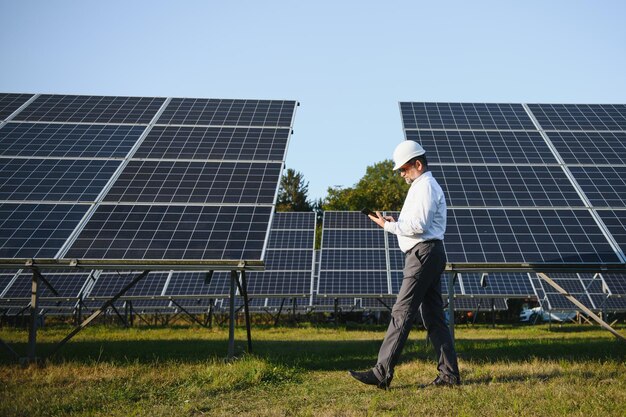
(507, 174)
(288, 265)
(353, 256)
(138, 179)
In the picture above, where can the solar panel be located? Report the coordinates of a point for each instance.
(353, 239)
(291, 239)
(590, 147)
(549, 236)
(91, 109)
(465, 116)
(243, 143)
(54, 179)
(68, 140)
(288, 260)
(356, 260)
(480, 147)
(513, 186)
(616, 282)
(153, 232)
(109, 284)
(353, 256)
(10, 102)
(603, 186)
(580, 116)
(36, 230)
(615, 221)
(274, 283)
(189, 284)
(289, 257)
(288, 264)
(293, 221)
(473, 304)
(500, 284)
(5, 280)
(66, 285)
(196, 182)
(366, 283)
(221, 112)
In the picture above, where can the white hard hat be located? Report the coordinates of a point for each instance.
(406, 151)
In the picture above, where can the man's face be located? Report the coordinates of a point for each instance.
(410, 172)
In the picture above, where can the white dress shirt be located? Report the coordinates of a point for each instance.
(423, 215)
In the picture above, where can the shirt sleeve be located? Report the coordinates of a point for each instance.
(420, 213)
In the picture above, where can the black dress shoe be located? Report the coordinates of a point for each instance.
(443, 381)
(370, 378)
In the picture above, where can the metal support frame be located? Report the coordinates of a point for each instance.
(97, 313)
(580, 305)
(191, 316)
(451, 304)
(243, 290)
(280, 310)
(231, 309)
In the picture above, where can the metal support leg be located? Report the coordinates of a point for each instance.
(32, 329)
(451, 304)
(243, 290)
(581, 306)
(282, 303)
(191, 316)
(231, 327)
(98, 312)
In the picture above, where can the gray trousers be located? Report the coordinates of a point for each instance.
(420, 290)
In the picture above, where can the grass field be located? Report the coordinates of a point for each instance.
(109, 371)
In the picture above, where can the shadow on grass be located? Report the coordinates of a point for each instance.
(325, 355)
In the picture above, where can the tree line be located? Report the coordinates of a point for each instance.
(379, 189)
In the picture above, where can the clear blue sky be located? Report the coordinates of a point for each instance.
(349, 63)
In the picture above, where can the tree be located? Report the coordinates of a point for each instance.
(292, 194)
(379, 189)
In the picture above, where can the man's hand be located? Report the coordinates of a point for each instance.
(380, 220)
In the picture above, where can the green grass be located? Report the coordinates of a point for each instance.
(109, 371)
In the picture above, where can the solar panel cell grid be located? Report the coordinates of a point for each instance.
(346, 259)
(36, 230)
(616, 282)
(294, 221)
(521, 186)
(465, 116)
(615, 221)
(603, 186)
(580, 116)
(66, 285)
(173, 232)
(68, 140)
(510, 284)
(220, 112)
(353, 282)
(11, 102)
(288, 260)
(353, 239)
(54, 179)
(291, 239)
(91, 109)
(451, 146)
(196, 182)
(534, 236)
(109, 284)
(214, 143)
(279, 283)
(590, 147)
(188, 284)
(348, 220)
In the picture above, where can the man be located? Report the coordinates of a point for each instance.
(420, 229)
